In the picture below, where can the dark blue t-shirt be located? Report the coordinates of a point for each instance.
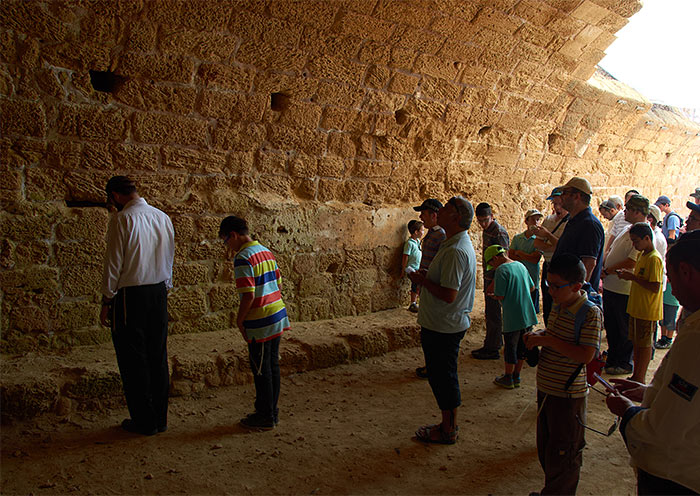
(584, 236)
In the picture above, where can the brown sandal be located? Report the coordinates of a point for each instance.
(435, 435)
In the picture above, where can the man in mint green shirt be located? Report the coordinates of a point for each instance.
(447, 298)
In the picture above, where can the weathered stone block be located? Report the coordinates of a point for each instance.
(186, 303)
(22, 117)
(242, 136)
(226, 77)
(266, 56)
(31, 253)
(190, 274)
(223, 297)
(81, 280)
(234, 106)
(325, 67)
(301, 114)
(78, 252)
(194, 161)
(204, 45)
(303, 166)
(167, 129)
(403, 83)
(89, 122)
(301, 140)
(167, 67)
(29, 399)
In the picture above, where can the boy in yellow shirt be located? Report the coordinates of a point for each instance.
(645, 305)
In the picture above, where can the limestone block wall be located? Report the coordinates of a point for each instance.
(320, 121)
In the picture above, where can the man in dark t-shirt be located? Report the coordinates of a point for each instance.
(583, 235)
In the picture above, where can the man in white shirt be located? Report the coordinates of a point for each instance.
(663, 433)
(622, 255)
(138, 268)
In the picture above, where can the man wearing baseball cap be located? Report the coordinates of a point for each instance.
(434, 236)
(552, 226)
(696, 195)
(583, 235)
(672, 221)
(693, 222)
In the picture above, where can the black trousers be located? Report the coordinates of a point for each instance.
(493, 341)
(616, 321)
(139, 334)
(441, 352)
(264, 362)
(546, 297)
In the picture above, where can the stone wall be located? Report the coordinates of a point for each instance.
(321, 121)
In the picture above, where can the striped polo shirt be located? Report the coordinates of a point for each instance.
(554, 369)
(256, 272)
(431, 244)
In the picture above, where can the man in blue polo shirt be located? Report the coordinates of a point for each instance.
(583, 235)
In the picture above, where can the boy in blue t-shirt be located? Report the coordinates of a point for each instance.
(512, 285)
(410, 261)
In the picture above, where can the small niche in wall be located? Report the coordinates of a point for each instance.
(401, 116)
(484, 130)
(279, 102)
(106, 81)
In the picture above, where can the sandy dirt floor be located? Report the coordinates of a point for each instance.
(344, 430)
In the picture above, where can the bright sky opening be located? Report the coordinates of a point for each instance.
(656, 53)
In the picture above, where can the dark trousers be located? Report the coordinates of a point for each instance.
(494, 325)
(651, 484)
(140, 334)
(441, 351)
(560, 442)
(616, 321)
(535, 296)
(546, 297)
(264, 362)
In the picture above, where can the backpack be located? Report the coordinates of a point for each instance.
(665, 223)
(598, 362)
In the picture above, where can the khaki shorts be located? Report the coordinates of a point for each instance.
(641, 332)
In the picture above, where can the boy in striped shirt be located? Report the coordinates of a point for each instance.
(562, 409)
(262, 317)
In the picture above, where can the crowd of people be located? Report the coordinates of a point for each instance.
(622, 282)
(637, 261)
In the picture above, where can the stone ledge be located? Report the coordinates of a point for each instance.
(87, 378)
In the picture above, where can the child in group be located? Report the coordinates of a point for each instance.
(411, 258)
(561, 381)
(668, 323)
(645, 305)
(522, 249)
(511, 285)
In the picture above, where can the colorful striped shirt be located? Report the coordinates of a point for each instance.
(554, 369)
(256, 272)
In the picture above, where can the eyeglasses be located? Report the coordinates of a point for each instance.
(610, 432)
(225, 239)
(558, 287)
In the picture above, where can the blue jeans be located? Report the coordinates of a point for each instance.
(264, 362)
(441, 351)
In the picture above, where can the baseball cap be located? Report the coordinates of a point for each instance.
(491, 252)
(555, 192)
(662, 200)
(693, 206)
(429, 204)
(531, 212)
(580, 184)
(638, 202)
(655, 212)
(696, 194)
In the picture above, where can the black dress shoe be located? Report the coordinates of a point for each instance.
(131, 426)
(485, 355)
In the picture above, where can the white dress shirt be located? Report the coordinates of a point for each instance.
(140, 248)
